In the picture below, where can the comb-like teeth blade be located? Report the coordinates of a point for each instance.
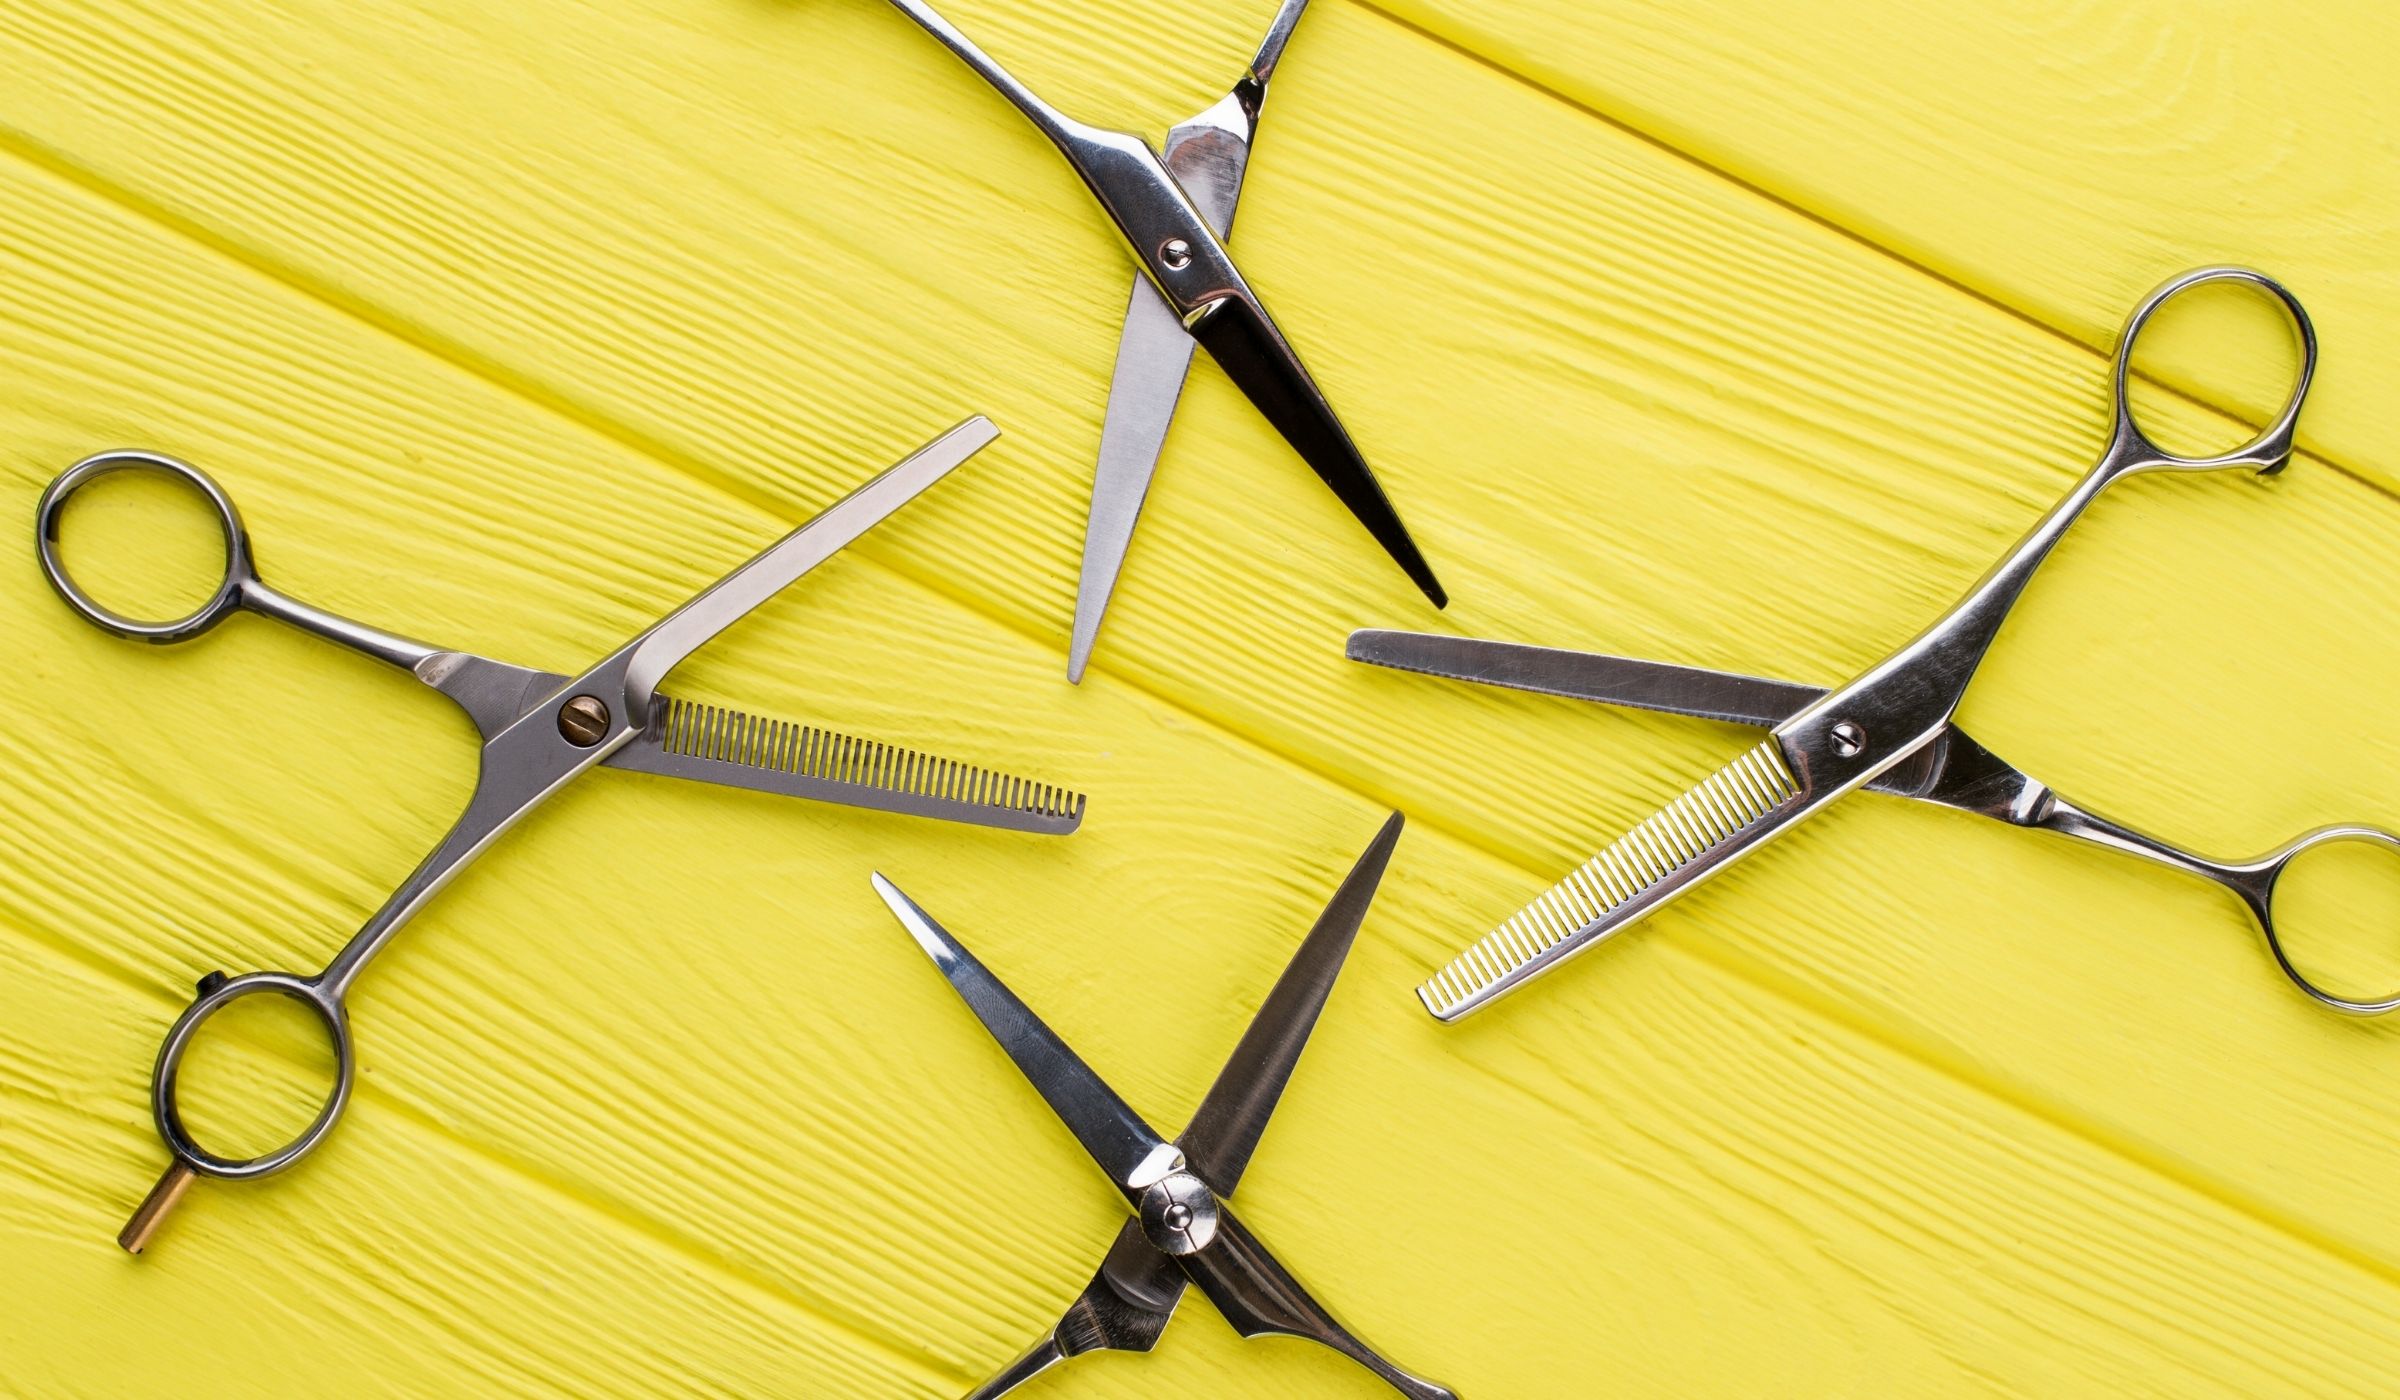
(1569, 916)
(717, 745)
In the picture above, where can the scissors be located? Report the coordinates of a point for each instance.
(1183, 1229)
(1174, 210)
(540, 730)
(1889, 730)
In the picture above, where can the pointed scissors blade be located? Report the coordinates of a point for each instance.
(1238, 334)
(1584, 675)
(1109, 1129)
(726, 601)
(1208, 156)
(1952, 771)
(1226, 1129)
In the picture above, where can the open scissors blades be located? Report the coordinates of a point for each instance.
(540, 731)
(1174, 208)
(1182, 1230)
(1891, 721)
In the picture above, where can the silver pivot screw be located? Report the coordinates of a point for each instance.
(1848, 739)
(1176, 254)
(1179, 1213)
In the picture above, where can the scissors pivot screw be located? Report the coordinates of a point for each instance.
(583, 721)
(1175, 253)
(1848, 739)
(1179, 1213)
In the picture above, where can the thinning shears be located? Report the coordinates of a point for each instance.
(1174, 211)
(1890, 730)
(539, 731)
(1183, 1228)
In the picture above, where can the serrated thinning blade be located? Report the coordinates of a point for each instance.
(716, 745)
(1669, 852)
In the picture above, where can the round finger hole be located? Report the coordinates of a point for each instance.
(255, 1075)
(2337, 914)
(143, 545)
(2228, 344)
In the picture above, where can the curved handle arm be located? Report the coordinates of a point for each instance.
(2254, 882)
(1912, 692)
(241, 589)
(1261, 1298)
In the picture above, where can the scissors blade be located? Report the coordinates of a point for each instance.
(1226, 1128)
(1584, 675)
(1208, 156)
(1951, 771)
(1109, 1129)
(1154, 356)
(1259, 1296)
(657, 651)
(1238, 334)
(715, 745)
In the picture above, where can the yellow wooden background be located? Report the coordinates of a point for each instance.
(1744, 334)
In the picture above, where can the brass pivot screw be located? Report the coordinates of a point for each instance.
(583, 721)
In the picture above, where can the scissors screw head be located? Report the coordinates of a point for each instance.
(1848, 739)
(1175, 253)
(1179, 1213)
(583, 721)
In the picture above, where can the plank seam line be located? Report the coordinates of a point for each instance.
(444, 350)
(1800, 211)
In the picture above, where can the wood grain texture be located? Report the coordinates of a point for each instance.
(2047, 156)
(512, 327)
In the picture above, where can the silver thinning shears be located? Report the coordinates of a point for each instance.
(1183, 1228)
(1174, 211)
(1889, 730)
(540, 730)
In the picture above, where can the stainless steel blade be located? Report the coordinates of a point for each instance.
(1225, 1129)
(1952, 771)
(657, 651)
(1585, 675)
(1109, 1129)
(715, 745)
(1207, 156)
(1244, 340)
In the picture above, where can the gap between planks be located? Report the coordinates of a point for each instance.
(1763, 977)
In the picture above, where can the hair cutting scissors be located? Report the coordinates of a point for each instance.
(1174, 210)
(1890, 730)
(539, 731)
(1183, 1229)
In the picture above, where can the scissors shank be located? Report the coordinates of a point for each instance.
(522, 766)
(1261, 1298)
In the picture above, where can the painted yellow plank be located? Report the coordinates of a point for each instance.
(661, 1051)
(1655, 411)
(2044, 155)
(1938, 1129)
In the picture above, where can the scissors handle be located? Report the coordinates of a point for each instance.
(239, 590)
(2131, 450)
(2255, 882)
(216, 992)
